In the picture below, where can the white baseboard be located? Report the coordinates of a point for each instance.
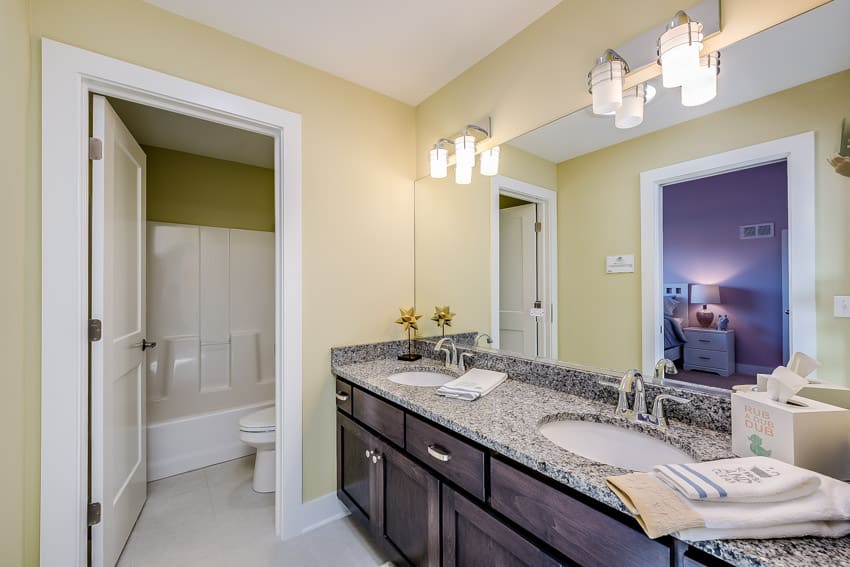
(320, 511)
(752, 369)
(191, 443)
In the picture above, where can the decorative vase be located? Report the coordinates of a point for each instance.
(705, 317)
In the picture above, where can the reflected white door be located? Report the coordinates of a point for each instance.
(517, 279)
(118, 421)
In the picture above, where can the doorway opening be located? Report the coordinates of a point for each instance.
(725, 241)
(182, 280)
(524, 268)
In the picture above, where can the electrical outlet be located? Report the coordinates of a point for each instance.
(842, 305)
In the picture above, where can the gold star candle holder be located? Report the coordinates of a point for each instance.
(443, 317)
(408, 321)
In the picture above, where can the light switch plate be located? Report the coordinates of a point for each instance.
(842, 305)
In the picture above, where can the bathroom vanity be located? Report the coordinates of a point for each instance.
(444, 482)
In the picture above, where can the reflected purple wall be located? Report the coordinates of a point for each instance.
(702, 245)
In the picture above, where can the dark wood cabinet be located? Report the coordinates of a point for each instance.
(411, 509)
(432, 498)
(356, 479)
(474, 538)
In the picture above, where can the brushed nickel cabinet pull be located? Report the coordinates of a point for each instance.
(342, 396)
(439, 453)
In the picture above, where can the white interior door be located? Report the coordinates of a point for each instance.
(118, 392)
(517, 279)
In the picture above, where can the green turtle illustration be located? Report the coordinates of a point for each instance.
(756, 448)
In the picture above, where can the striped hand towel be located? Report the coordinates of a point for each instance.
(748, 479)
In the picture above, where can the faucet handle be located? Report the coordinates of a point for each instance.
(658, 407)
(461, 360)
(609, 384)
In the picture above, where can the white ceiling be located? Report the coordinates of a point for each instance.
(164, 129)
(406, 49)
(806, 48)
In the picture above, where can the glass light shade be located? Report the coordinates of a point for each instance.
(606, 86)
(701, 87)
(630, 114)
(678, 53)
(490, 161)
(463, 175)
(439, 163)
(465, 152)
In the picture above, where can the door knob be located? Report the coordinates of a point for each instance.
(146, 345)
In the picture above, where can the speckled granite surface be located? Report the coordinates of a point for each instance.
(507, 421)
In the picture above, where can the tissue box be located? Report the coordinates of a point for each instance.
(812, 435)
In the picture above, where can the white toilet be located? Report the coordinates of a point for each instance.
(258, 430)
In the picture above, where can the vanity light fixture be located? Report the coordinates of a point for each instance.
(679, 49)
(701, 87)
(440, 159)
(630, 113)
(605, 82)
(464, 146)
(490, 161)
(463, 175)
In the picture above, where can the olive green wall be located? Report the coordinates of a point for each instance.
(191, 189)
(599, 215)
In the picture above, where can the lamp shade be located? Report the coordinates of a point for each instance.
(701, 87)
(439, 162)
(630, 114)
(678, 52)
(606, 86)
(705, 294)
(463, 175)
(465, 151)
(490, 161)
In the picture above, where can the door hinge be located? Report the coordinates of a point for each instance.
(95, 149)
(94, 513)
(95, 330)
(538, 227)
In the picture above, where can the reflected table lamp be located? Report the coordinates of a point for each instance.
(705, 295)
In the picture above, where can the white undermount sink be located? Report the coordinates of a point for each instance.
(612, 445)
(420, 378)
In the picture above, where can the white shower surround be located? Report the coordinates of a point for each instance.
(211, 312)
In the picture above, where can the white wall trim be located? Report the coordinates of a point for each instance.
(69, 74)
(502, 185)
(799, 152)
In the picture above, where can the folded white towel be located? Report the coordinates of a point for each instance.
(661, 510)
(748, 479)
(472, 385)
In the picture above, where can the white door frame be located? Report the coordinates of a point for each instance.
(69, 74)
(799, 153)
(548, 199)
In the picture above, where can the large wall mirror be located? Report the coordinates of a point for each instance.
(713, 235)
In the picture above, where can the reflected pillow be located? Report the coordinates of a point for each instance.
(670, 305)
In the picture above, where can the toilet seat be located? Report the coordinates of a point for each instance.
(259, 421)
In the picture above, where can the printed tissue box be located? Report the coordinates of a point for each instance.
(803, 432)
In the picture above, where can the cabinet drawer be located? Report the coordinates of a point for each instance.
(708, 358)
(380, 416)
(449, 456)
(343, 396)
(583, 534)
(706, 340)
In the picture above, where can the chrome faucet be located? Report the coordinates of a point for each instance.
(485, 336)
(451, 355)
(461, 363)
(663, 367)
(658, 417)
(633, 381)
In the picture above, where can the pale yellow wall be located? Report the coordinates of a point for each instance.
(19, 473)
(453, 240)
(541, 73)
(358, 171)
(599, 215)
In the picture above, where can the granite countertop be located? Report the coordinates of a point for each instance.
(507, 421)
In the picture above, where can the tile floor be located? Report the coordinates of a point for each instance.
(212, 517)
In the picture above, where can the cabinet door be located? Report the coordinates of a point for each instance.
(410, 508)
(474, 538)
(356, 478)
